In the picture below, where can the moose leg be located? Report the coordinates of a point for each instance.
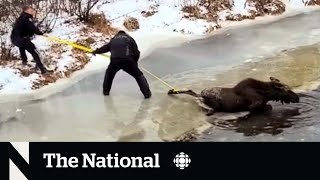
(268, 107)
(257, 102)
(210, 111)
(259, 106)
(265, 108)
(189, 92)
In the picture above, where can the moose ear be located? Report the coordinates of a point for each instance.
(274, 79)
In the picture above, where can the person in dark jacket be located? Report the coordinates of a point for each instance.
(124, 55)
(22, 32)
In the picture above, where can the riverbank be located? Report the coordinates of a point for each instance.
(154, 31)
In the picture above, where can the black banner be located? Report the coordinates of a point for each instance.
(150, 160)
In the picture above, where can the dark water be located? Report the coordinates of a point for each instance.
(285, 123)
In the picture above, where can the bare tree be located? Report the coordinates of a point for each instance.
(47, 14)
(80, 8)
(6, 48)
(69, 6)
(47, 11)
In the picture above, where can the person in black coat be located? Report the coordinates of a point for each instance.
(124, 55)
(22, 32)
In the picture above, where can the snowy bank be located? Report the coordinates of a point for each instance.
(158, 21)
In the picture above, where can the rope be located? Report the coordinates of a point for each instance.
(107, 56)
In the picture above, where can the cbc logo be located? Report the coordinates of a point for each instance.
(182, 160)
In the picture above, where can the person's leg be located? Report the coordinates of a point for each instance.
(31, 48)
(23, 55)
(144, 86)
(108, 78)
(132, 69)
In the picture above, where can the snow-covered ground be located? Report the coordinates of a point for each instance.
(166, 18)
(11, 81)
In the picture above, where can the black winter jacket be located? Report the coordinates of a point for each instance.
(121, 46)
(23, 28)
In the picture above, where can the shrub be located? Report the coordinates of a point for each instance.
(131, 23)
(100, 23)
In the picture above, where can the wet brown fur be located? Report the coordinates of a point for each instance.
(248, 95)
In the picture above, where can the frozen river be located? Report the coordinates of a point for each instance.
(82, 113)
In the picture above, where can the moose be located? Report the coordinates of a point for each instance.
(248, 95)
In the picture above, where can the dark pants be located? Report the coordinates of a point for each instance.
(27, 45)
(130, 67)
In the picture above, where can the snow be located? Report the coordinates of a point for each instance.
(297, 3)
(62, 30)
(239, 7)
(11, 81)
(168, 19)
(65, 61)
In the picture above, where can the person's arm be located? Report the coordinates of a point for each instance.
(135, 49)
(103, 49)
(33, 28)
